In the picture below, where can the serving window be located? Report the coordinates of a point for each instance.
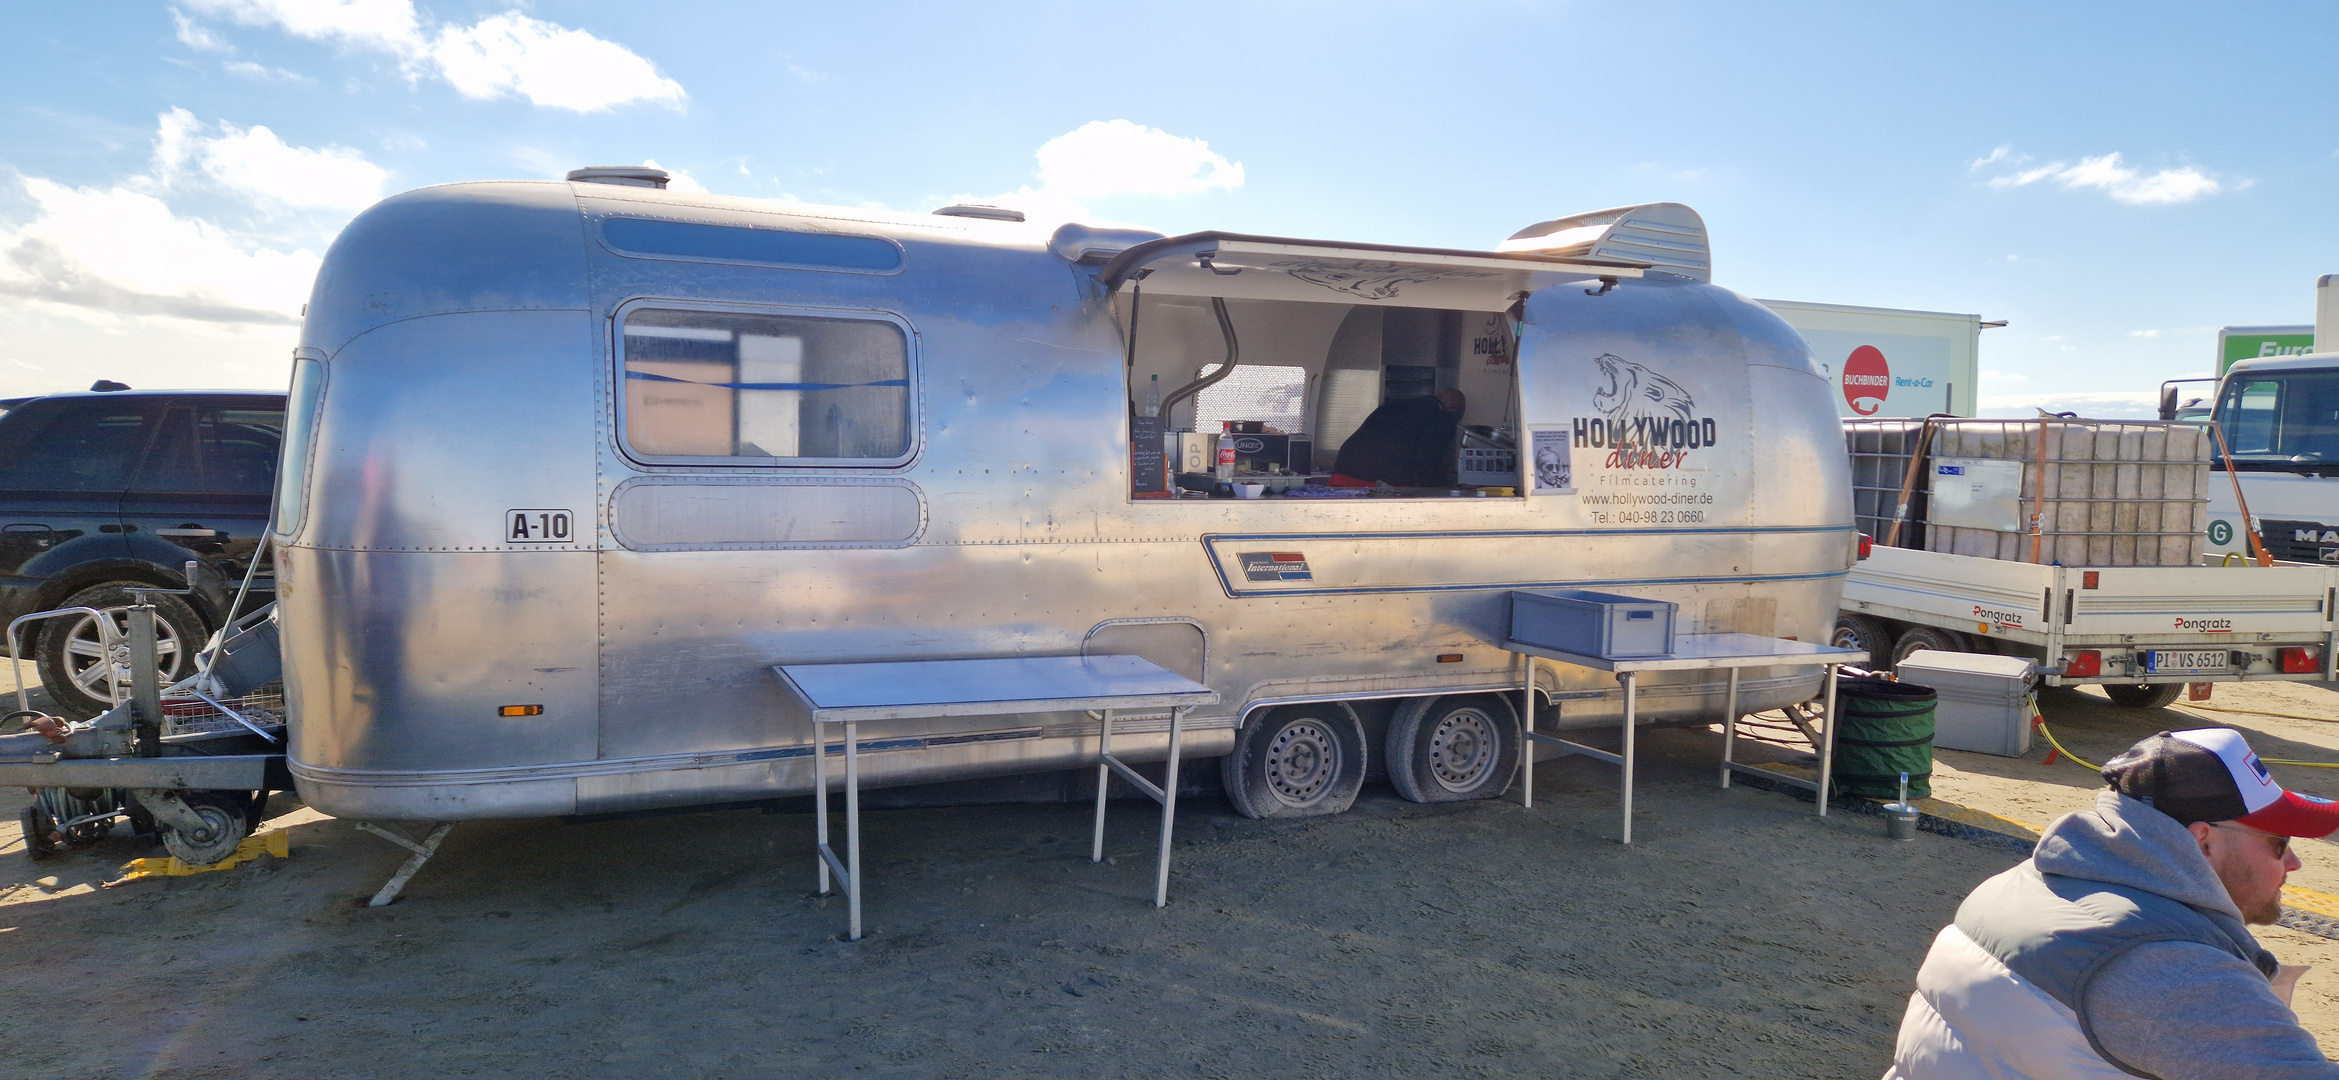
(761, 388)
(1325, 400)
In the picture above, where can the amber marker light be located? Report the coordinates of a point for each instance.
(520, 710)
(1449, 658)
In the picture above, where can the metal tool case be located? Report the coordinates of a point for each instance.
(500, 600)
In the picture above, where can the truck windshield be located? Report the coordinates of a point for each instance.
(2282, 419)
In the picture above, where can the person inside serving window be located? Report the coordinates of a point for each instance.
(1407, 442)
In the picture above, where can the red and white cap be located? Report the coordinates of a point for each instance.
(2210, 774)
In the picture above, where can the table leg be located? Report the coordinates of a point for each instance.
(853, 824)
(1827, 738)
(1169, 806)
(1104, 780)
(820, 803)
(1629, 679)
(1730, 727)
(1527, 728)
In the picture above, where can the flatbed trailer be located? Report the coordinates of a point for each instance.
(2140, 631)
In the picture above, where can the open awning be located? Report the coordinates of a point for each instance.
(1236, 266)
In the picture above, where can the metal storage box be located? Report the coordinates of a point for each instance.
(1592, 623)
(1985, 700)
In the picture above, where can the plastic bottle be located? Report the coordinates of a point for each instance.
(1226, 455)
(1153, 397)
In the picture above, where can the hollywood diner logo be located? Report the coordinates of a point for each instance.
(1645, 421)
(1867, 379)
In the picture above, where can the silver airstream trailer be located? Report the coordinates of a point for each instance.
(571, 466)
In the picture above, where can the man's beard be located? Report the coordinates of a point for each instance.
(2263, 913)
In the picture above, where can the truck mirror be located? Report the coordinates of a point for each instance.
(2168, 401)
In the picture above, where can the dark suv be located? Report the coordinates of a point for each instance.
(108, 489)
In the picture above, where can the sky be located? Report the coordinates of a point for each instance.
(2115, 181)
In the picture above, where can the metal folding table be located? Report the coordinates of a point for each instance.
(1691, 652)
(848, 694)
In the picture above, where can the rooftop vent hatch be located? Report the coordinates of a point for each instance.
(1668, 237)
(621, 175)
(107, 386)
(980, 210)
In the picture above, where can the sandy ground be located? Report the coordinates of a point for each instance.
(1739, 936)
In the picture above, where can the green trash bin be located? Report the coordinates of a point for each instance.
(1886, 729)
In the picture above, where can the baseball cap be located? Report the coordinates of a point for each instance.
(2210, 774)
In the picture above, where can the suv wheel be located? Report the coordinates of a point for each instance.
(81, 678)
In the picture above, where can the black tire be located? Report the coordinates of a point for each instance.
(1296, 761)
(1453, 749)
(2143, 695)
(77, 677)
(38, 830)
(228, 813)
(1926, 637)
(1863, 633)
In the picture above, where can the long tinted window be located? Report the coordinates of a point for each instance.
(727, 243)
(213, 450)
(84, 444)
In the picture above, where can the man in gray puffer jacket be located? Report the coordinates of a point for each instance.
(2118, 948)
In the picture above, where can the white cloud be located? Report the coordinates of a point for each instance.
(196, 36)
(2143, 333)
(257, 165)
(2106, 173)
(387, 25)
(2003, 153)
(2103, 404)
(547, 64)
(1115, 158)
(123, 257)
(676, 179)
(123, 252)
(498, 56)
(261, 73)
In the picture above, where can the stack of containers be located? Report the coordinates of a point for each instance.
(1880, 464)
(2116, 492)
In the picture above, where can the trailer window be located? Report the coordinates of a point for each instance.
(749, 388)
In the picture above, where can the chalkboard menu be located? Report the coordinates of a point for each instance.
(1148, 477)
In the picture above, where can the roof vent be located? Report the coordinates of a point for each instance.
(621, 175)
(107, 386)
(979, 210)
(1669, 237)
(1077, 243)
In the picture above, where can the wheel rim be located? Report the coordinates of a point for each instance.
(1845, 639)
(102, 675)
(1462, 749)
(1302, 761)
(222, 831)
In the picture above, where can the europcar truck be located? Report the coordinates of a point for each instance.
(2280, 419)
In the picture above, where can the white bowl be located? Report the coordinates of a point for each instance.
(1248, 491)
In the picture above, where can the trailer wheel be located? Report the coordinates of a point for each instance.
(40, 833)
(227, 820)
(1926, 637)
(1296, 761)
(2143, 695)
(1453, 749)
(1863, 633)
